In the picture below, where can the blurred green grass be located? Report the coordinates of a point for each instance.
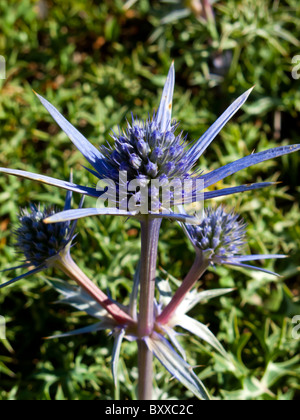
(97, 62)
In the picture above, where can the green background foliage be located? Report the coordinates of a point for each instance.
(97, 61)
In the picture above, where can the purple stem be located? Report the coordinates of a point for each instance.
(207, 10)
(68, 266)
(198, 269)
(149, 244)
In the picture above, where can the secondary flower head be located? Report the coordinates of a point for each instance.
(220, 238)
(148, 151)
(38, 242)
(219, 234)
(42, 245)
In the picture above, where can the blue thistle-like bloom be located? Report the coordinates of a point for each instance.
(219, 234)
(148, 151)
(220, 237)
(38, 242)
(41, 244)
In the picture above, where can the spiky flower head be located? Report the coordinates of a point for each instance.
(219, 234)
(37, 241)
(147, 151)
(41, 245)
(220, 237)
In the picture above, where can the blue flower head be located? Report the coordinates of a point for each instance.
(40, 244)
(220, 237)
(152, 150)
(219, 234)
(146, 151)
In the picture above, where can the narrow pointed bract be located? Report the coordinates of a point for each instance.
(250, 267)
(180, 369)
(164, 113)
(91, 153)
(235, 190)
(202, 144)
(201, 331)
(52, 181)
(81, 213)
(180, 318)
(119, 336)
(99, 326)
(23, 276)
(243, 163)
(69, 215)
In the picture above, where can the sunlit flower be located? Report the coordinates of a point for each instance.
(38, 242)
(220, 237)
(42, 245)
(151, 151)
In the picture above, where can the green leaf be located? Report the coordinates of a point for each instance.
(116, 354)
(75, 296)
(200, 330)
(194, 297)
(275, 371)
(100, 326)
(174, 364)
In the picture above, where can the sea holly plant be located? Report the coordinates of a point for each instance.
(148, 172)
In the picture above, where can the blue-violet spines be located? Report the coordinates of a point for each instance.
(219, 234)
(37, 241)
